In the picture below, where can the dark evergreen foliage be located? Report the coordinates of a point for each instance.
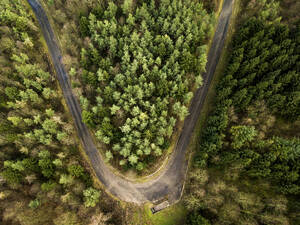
(263, 67)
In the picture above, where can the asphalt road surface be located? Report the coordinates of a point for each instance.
(170, 181)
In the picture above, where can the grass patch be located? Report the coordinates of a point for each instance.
(173, 215)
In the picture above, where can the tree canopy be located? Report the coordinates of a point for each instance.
(138, 66)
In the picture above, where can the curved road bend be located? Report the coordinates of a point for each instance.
(170, 182)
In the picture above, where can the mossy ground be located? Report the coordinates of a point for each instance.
(173, 215)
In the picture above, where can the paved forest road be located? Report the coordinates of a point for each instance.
(170, 181)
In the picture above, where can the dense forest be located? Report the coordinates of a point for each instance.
(138, 67)
(248, 161)
(139, 64)
(134, 66)
(42, 178)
